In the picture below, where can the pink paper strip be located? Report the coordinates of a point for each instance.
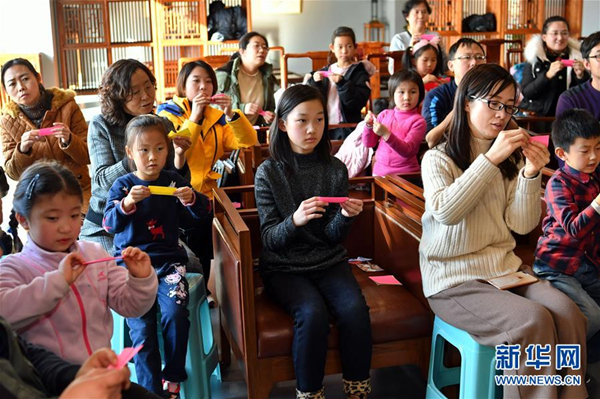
(545, 140)
(427, 36)
(262, 113)
(385, 280)
(326, 74)
(102, 260)
(125, 357)
(47, 131)
(567, 63)
(335, 200)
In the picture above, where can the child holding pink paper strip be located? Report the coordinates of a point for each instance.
(213, 131)
(304, 265)
(151, 222)
(398, 131)
(46, 293)
(425, 57)
(344, 83)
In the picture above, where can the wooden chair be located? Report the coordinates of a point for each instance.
(380, 61)
(513, 57)
(260, 332)
(34, 58)
(318, 59)
(494, 46)
(215, 61)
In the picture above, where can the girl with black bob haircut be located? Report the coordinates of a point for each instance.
(304, 265)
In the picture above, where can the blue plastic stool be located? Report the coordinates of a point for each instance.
(202, 358)
(477, 369)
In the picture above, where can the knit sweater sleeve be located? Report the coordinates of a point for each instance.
(105, 168)
(115, 218)
(524, 204)
(276, 230)
(451, 197)
(339, 226)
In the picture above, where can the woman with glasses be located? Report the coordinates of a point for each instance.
(42, 124)
(546, 74)
(127, 89)
(249, 80)
(480, 184)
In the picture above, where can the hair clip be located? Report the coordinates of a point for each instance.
(423, 42)
(31, 186)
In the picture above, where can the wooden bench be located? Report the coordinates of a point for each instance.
(525, 244)
(260, 332)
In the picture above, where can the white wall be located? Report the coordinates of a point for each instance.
(591, 17)
(311, 30)
(26, 27)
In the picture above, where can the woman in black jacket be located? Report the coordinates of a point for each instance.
(553, 66)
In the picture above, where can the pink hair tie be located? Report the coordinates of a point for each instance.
(435, 40)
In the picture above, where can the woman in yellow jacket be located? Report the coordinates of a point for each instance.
(212, 131)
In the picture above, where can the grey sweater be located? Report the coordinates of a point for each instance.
(315, 246)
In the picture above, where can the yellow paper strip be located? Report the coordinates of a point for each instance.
(160, 190)
(182, 133)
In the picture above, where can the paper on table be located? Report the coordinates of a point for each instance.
(182, 133)
(108, 259)
(160, 190)
(385, 280)
(47, 131)
(125, 356)
(567, 63)
(545, 140)
(335, 200)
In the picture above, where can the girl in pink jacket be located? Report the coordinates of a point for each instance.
(46, 292)
(400, 130)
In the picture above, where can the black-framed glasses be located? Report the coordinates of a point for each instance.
(597, 57)
(498, 106)
(477, 57)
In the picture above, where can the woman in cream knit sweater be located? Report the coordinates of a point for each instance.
(480, 183)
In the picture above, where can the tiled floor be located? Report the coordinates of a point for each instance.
(389, 383)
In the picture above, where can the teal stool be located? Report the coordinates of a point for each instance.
(476, 372)
(202, 358)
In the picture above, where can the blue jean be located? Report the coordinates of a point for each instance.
(309, 298)
(172, 298)
(584, 289)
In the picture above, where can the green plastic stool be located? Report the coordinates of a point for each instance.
(202, 358)
(477, 369)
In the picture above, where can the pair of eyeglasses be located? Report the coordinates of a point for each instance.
(597, 57)
(257, 46)
(498, 106)
(137, 94)
(477, 58)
